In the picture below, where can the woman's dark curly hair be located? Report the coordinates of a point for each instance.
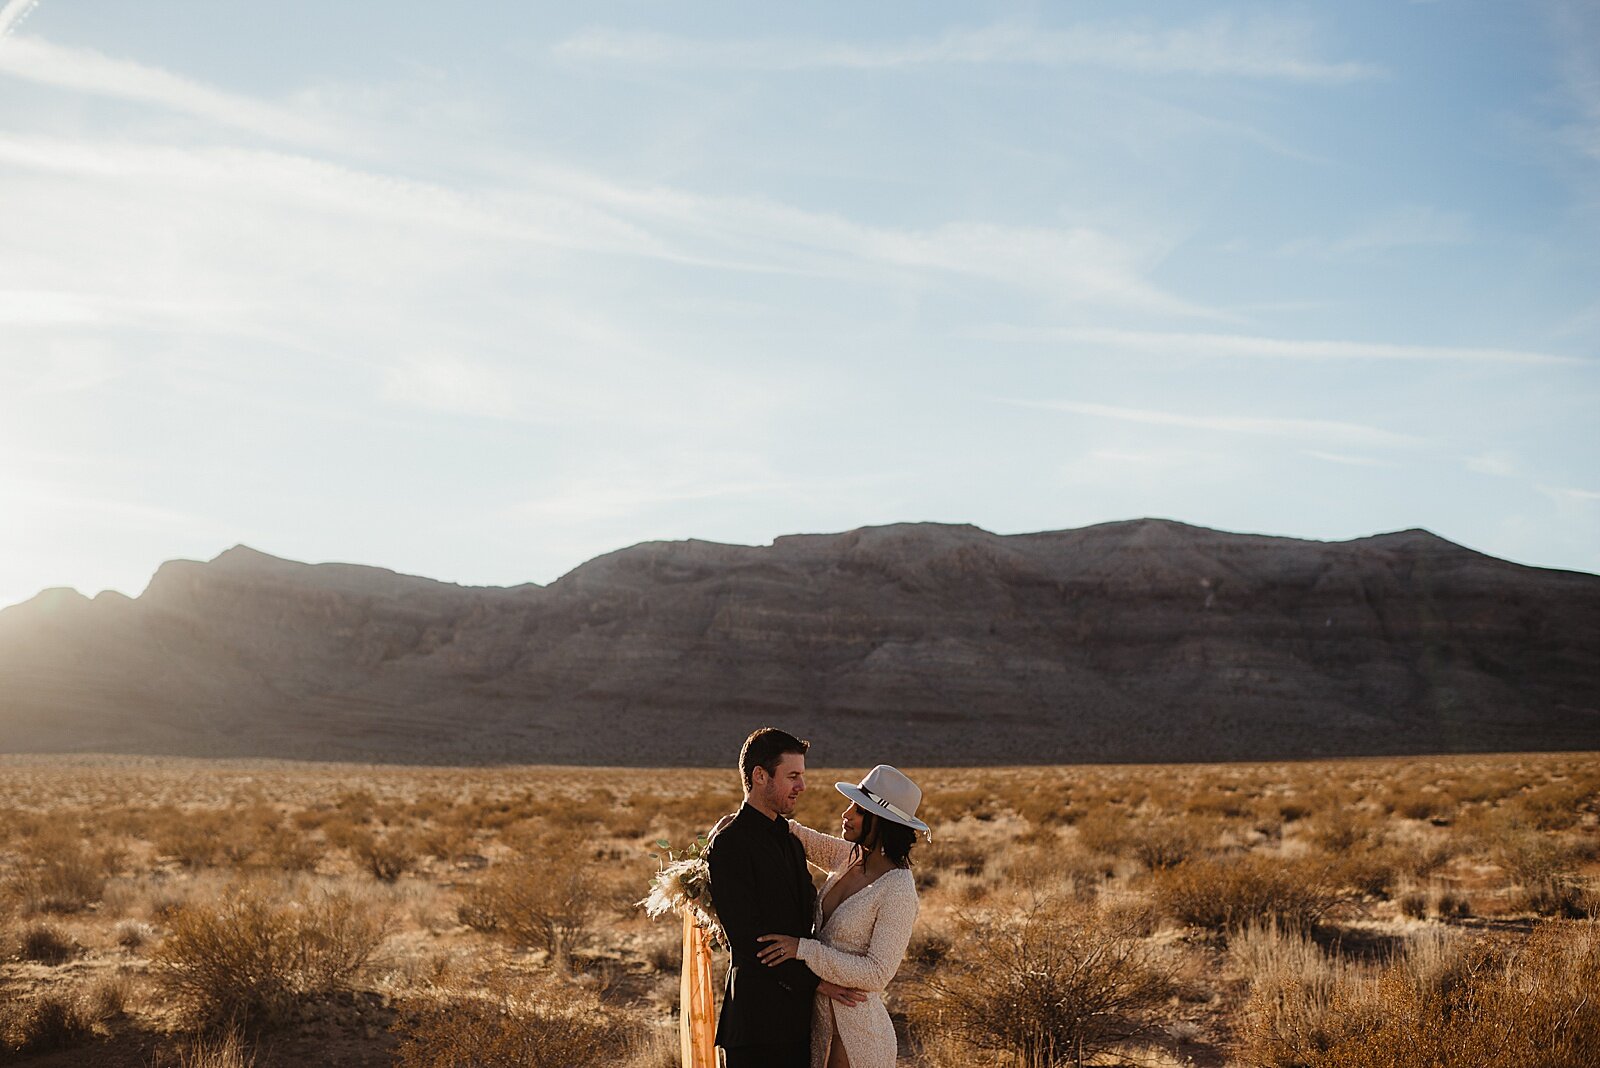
(895, 838)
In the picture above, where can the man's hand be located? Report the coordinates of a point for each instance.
(844, 995)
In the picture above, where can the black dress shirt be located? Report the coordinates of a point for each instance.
(760, 885)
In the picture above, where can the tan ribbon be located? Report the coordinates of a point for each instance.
(697, 1024)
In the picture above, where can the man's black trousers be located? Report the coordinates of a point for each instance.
(777, 1055)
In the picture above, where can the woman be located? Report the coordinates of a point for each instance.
(863, 918)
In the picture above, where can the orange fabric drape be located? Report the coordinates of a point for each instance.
(697, 1018)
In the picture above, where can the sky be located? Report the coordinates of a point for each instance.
(480, 292)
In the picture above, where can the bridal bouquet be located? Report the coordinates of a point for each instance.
(683, 885)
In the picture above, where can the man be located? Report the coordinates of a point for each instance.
(760, 885)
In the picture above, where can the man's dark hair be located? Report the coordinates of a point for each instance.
(765, 748)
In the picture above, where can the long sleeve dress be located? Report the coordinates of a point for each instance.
(860, 946)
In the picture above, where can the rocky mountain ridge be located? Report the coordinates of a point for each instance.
(913, 643)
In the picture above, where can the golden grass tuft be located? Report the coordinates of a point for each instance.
(227, 1049)
(44, 943)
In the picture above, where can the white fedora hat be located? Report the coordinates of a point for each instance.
(886, 792)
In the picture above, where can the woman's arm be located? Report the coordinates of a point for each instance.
(823, 850)
(891, 933)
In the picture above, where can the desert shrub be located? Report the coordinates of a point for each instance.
(546, 900)
(1531, 857)
(1226, 802)
(387, 857)
(202, 839)
(57, 873)
(446, 841)
(1553, 806)
(132, 934)
(106, 998)
(45, 944)
(1048, 869)
(1427, 857)
(1422, 804)
(1414, 904)
(226, 1049)
(1485, 786)
(1165, 843)
(928, 947)
(1542, 866)
(1047, 984)
(1343, 829)
(979, 802)
(1452, 906)
(1047, 808)
(287, 849)
(581, 816)
(1529, 1008)
(1293, 811)
(1106, 830)
(954, 855)
(340, 832)
(46, 1021)
(1226, 893)
(359, 806)
(1559, 895)
(1373, 872)
(509, 1025)
(249, 957)
(1302, 1001)
(1437, 959)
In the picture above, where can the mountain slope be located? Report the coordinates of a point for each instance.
(915, 643)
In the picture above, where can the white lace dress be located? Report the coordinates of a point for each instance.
(860, 946)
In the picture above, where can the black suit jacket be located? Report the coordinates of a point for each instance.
(760, 885)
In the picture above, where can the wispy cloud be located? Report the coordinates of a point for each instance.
(1234, 346)
(1154, 460)
(41, 308)
(1320, 430)
(1570, 494)
(1072, 264)
(1266, 48)
(1497, 464)
(452, 384)
(60, 365)
(84, 70)
(1412, 226)
(580, 212)
(1346, 459)
(14, 12)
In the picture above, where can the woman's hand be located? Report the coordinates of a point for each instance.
(782, 948)
(723, 822)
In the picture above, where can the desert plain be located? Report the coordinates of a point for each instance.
(164, 912)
